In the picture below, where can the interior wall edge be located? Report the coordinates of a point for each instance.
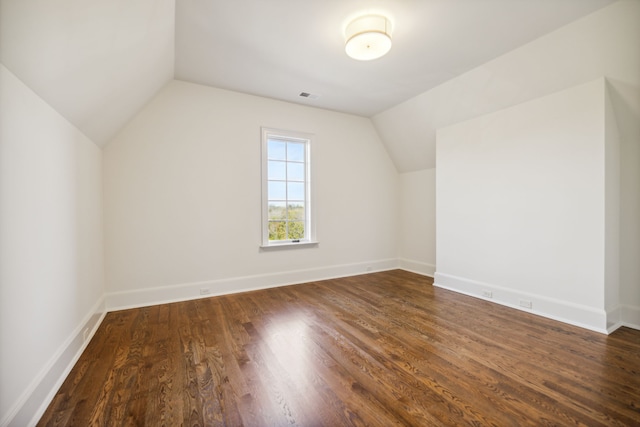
(630, 316)
(614, 318)
(563, 311)
(188, 291)
(417, 267)
(37, 397)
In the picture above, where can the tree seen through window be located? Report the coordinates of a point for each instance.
(286, 189)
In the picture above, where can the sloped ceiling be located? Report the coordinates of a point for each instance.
(606, 43)
(279, 48)
(98, 62)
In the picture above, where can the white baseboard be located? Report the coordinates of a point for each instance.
(563, 311)
(34, 401)
(614, 319)
(630, 316)
(417, 267)
(188, 291)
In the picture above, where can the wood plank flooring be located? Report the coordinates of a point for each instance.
(381, 349)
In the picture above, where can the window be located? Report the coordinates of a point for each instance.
(286, 190)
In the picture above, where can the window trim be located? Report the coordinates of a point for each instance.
(310, 220)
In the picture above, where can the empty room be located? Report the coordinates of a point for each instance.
(319, 213)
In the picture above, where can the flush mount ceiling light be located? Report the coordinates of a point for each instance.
(368, 37)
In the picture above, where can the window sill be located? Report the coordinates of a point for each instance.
(289, 245)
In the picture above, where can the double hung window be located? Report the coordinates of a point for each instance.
(286, 190)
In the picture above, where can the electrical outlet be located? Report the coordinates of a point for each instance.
(85, 334)
(205, 291)
(487, 294)
(524, 303)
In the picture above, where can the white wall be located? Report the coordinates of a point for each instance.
(95, 62)
(417, 227)
(612, 242)
(50, 248)
(521, 205)
(629, 215)
(603, 44)
(182, 197)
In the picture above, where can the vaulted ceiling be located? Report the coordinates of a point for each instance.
(280, 48)
(99, 62)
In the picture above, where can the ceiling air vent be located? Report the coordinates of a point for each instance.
(309, 95)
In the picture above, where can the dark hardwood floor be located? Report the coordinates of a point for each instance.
(374, 350)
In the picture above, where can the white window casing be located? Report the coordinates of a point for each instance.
(288, 209)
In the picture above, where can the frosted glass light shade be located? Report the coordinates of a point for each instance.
(368, 37)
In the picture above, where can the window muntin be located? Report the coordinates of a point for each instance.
(286, 188)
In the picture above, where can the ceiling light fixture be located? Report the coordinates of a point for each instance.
(368, 37)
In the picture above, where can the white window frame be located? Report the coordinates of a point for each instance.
(310, 230)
